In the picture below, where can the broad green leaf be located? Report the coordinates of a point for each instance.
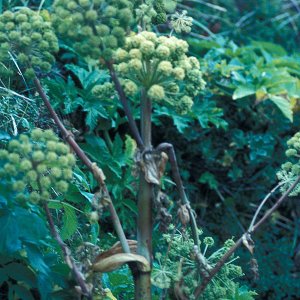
(70, 223)
(21, 273)
(209, 178)
(36, 259)
(86, 195)
(88, 78)
(4, 135)
(284, 106)
(270, 47)
(9, 238)
(243, 91)
(22, 292)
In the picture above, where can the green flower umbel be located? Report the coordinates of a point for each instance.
(27, 37)
(38, 163)
(161, 67)
(290, 170)
(93, 27)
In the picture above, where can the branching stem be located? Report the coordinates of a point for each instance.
(67, 255)
(262, 204)
(177, 178)
(205, 281)
(97, 172)
(132, 124)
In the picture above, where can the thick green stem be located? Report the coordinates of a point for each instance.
(144, 222)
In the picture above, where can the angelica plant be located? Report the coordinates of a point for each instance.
(145, 68)
(181, 22)
(290, 170)
(160, 66)
(180, 264)
(94, 28)
(27, 37)
(39, 164)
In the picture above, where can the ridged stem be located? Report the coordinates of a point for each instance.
(144, 222)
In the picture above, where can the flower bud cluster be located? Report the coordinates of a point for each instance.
(145, 13)
(161, 15)
(181, 250)
(290, 170)
(93, 27)
(38, 163)
(103, 91)
(180, 22)
(28, 36)
(161, 67)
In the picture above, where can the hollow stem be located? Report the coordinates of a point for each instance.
(144, 222)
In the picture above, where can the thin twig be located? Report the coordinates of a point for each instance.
(200, 289)
(96, 171)
(262, 204)
(177, 178)
(132, 124)
(67, 255)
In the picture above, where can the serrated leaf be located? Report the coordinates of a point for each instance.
(93, 114)
(284, 106)
(86, 77)
(243, 91)
(70, 223)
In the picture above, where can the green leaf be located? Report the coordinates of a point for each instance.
(270, 47)
(284, 106)
(3, 276)
(209, 178)
(21, 273)
(22, 292)
(9, 238)
(95, 233)
(243, 91)
(70, 223)
(181, 123)
(93, 114)
(36, 259)
(4, 136)
(243, 293)
(88, 78)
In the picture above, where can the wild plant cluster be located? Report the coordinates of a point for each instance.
(112, 212)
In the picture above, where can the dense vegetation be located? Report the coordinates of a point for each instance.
(139, 140)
